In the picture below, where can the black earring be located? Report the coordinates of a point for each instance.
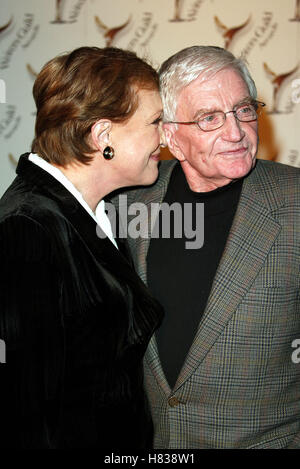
(108, 153)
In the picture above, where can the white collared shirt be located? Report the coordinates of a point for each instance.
(99, 216)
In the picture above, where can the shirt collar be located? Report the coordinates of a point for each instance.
(99, 216)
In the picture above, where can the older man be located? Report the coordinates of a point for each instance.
(220, 372)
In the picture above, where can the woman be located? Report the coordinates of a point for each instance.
(75, 317)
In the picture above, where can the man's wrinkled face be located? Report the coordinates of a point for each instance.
(213, 159)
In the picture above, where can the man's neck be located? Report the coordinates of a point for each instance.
(199, 183)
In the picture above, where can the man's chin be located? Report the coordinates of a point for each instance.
(240, 168)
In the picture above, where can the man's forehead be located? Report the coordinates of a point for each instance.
(208, 79)
(206, 89)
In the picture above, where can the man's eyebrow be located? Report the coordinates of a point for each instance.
(247, 100)
(199, 112)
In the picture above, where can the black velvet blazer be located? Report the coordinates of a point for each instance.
(76, 321)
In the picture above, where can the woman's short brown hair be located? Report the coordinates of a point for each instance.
(76, 89)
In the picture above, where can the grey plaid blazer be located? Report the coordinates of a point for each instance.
(238, 387)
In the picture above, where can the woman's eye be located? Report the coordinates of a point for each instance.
(157, 121)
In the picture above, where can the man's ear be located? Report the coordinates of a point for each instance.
(100, 134)
(174, 147)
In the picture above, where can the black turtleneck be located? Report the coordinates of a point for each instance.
(181, 278)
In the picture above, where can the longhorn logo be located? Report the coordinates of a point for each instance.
(12, 159)
(178, 8)
(32, 72)
(5, 26)
(277, 82)
(110, 33)
(229, 33)
(58, 13)
(297, 12)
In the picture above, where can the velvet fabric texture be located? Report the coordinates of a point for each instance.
(76, 320)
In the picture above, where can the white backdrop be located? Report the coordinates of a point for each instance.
(265, 32)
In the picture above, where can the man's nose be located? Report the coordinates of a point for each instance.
(232, 128)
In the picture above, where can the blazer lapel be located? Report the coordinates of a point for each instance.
(154, 363)
(140, 245)
(252, 234)
(140, 248)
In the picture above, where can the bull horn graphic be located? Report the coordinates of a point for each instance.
(12, 159)
(7, 25)
(297, 12)
(31, 71)
(58, 13)
(110, 33)
(178, 4)
(229, 33)
(277, 81)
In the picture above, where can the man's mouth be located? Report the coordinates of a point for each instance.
(235, 152)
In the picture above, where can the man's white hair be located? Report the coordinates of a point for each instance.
(185, 66)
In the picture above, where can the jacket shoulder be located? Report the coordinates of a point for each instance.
(25, 201)
(281, 170)
(287, 177)
(26, 221)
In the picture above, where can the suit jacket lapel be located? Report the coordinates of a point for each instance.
(253, 232)
(140, 245)
(140, 248)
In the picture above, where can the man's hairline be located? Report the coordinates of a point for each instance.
(210, 75)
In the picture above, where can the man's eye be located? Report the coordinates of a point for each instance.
(208, 118)
(249, 109)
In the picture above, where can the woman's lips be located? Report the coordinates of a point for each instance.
(155, 156)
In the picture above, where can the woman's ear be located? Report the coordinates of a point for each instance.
(100, 134)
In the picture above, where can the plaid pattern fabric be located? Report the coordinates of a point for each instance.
(238, 387)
